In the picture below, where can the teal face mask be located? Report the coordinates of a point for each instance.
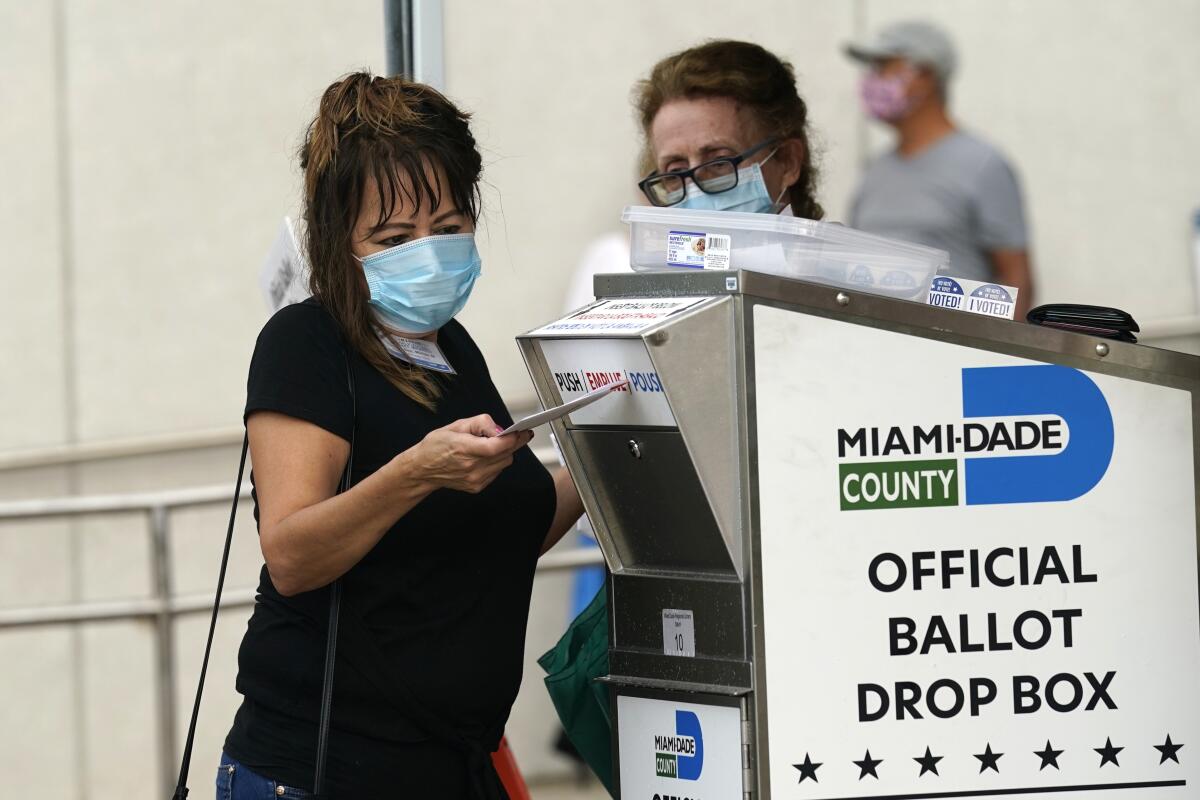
(419, 286)
(750, 195)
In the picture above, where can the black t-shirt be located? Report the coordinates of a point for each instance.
(444, 594)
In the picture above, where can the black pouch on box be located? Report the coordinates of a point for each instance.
(1110, 323)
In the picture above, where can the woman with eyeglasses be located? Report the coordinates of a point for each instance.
(726, 130)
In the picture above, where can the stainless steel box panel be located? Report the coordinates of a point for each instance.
(724, 676)
(698, 359)
(716, 607)
(653, 505)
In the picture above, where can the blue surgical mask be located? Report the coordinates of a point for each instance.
(750, 195)
(419, 286)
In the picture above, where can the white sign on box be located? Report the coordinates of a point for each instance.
(978, 572)
(579, 366)
(670, 749)
(624, 315)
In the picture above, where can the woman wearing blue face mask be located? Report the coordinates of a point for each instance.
(435, 541)
(725, 130)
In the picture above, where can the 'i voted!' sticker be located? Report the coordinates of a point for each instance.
(961, 294)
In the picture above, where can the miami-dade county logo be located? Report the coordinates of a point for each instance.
(1044, 434)
(680, 755)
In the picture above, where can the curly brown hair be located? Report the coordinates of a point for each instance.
(751, 76)
(383, 133)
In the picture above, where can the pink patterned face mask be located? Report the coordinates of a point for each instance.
(884, 97)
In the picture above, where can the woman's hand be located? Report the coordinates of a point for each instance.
(466, 455)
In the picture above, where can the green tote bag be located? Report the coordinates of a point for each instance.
(581, 701)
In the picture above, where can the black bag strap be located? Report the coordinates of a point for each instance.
(335, 605)
(335, 596)
(181, 790)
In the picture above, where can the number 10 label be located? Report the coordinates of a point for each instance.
(679, 633)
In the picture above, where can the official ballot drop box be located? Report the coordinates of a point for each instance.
(866, 548)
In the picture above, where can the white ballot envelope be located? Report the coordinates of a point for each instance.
(542, 417)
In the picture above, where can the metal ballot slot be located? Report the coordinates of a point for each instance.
(841, 527)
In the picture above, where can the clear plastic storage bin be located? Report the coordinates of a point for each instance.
(791, 247)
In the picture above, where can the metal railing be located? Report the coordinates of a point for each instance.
(164, 606)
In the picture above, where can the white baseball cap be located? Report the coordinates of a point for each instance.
(920, 42)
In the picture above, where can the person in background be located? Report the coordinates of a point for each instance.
(726, 130)
(940, 186)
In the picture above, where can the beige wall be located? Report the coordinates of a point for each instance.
(176, 149)
(32, 333)
(147, 155)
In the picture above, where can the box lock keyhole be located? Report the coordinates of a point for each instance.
(635, 448)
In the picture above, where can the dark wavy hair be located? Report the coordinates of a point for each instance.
(385, 131)
(751, 76)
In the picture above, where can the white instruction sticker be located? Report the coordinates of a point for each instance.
(679, 633)
(961, 294)
(697, 250)
(624, 315)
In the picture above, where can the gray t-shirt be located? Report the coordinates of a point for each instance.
(958, 195)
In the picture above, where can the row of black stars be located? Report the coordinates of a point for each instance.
(989, 760)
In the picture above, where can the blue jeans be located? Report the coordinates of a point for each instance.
(236, 781)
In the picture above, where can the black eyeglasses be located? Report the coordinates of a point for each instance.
(713, 177)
